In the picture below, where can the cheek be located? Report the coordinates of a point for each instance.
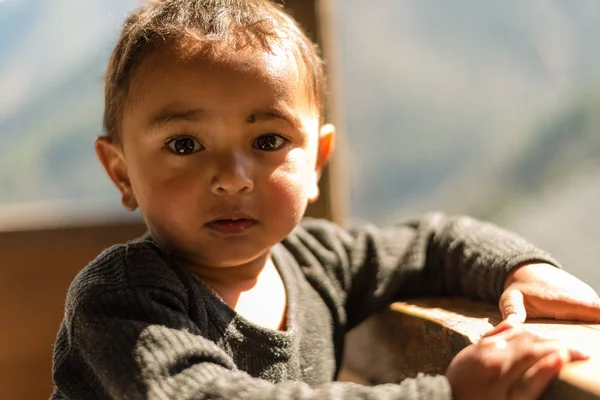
(289, 185)
(158, 188)
(286, 185)
(285, 199)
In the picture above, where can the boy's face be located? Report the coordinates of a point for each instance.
(221, 154)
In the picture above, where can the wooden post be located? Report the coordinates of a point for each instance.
(317, 17)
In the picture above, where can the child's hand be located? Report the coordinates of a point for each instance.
(544, 291)
(511, 364)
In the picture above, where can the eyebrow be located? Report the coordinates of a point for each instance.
(172, 115)
(274, 113)
(168, 116)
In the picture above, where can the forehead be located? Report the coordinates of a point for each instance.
(187, 70)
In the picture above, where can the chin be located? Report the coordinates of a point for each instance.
(233, 261)
(230, 256)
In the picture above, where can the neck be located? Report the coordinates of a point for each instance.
(231, 282)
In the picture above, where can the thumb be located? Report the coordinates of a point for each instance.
(512, 306)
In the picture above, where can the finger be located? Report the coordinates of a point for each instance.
(535, 380)
(513, 379)
(535, 365)
(512, 306)
(503, 326)
(506, 330)
(527, 353)
(527, 344)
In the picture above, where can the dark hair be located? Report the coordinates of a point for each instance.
(239, 23)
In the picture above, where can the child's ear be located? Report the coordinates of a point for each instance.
(326, 145)
(112, 158)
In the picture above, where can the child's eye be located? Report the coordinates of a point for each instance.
(269, 142)
(184, 145)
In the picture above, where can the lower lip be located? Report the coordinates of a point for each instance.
(232, 227)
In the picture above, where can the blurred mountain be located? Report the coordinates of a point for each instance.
(439, 94)
(549, 192)
(52, 60)
(565, 145)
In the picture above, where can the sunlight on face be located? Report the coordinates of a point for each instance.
(220, 152)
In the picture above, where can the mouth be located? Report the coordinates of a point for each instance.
(232, 224)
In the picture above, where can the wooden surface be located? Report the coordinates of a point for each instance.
(36, 268)
(424, 335)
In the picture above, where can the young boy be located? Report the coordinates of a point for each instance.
(214, 130)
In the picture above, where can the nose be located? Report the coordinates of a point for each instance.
(232, 175)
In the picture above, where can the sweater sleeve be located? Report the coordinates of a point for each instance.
(435, 255)
(139, 342)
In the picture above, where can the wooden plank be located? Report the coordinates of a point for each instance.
(424, 335)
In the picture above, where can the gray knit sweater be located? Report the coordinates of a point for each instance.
(138, 326)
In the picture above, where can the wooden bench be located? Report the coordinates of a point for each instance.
(424, 335)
